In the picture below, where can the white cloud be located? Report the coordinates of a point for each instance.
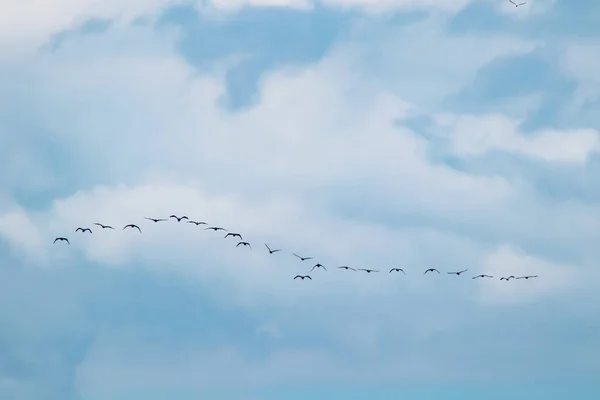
(151, 141)
(475, 136)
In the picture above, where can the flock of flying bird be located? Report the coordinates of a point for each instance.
(272, 251)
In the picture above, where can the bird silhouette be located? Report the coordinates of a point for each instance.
(302, 277)
(83, 230)
(526, 277)
(347, 268)
(156, 219)
(507, 279)
(243, 244)
(458, 272)
(103, 226)
(234, 235)
(517, 5)
(367, 270)
(319, 265)
(61, 239)
(214, 228)
(197, 222)
(302, 258)
(398, 270)
(272, 251)
(178, 218)
(132, 226)
(431, 270)
(482, 276)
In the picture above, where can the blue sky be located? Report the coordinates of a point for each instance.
(378, 134)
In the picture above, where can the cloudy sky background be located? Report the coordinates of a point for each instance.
(378, 134)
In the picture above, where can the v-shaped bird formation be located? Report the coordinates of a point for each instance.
(271, 251)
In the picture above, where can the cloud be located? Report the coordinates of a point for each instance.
(325, 163)
(471, 136)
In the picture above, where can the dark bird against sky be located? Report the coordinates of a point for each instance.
(517, 4)
(178, 218)
(398, 270)
(103, 226)
(272, 251)
(319, 265)
(347, 268)
(302, 277)
(234, 235)
(457, 273)
(214, 228)
(431, 270)
(155, 219)
(132, 226)
(368, 271)
(82, 230)
(482, 276)
(243, 244)
(61, 239)
(302, 258)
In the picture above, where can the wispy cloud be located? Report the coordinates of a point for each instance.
(370, 134)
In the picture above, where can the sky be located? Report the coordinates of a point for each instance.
(378, 134)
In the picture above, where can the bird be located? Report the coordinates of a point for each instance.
(517, 5)
(319, 265)
(458, 272)
(103, 226)
(197, 222)
(482, 276)
(132, 226)
(302, 277)
(347, 268)
(272, 251)
(83, 230)
(397, 269)
(61, 239)
(156, 219)
(178, 218)
(431, 270)
(234, 235)
(244, 244)
(526, 277)
(214, 228)
(302, 258)
(507, 279)
(367, 270)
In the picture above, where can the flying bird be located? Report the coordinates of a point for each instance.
(319, 265)
(526, 277)
(302, 258)
(197, 222)
(398, 270)
(507, 279)
(234, 235)
(214, 228)
(103, 226)
(244, 244)
(83, 230)
(431, 270)
(302, 277)
(156, 219)
(367, 270)
(132, 226)
(347, 268)
(458, 272)
(517, 5)
(272, 251)
(61, 239)
(482, 276)
(178, 218)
